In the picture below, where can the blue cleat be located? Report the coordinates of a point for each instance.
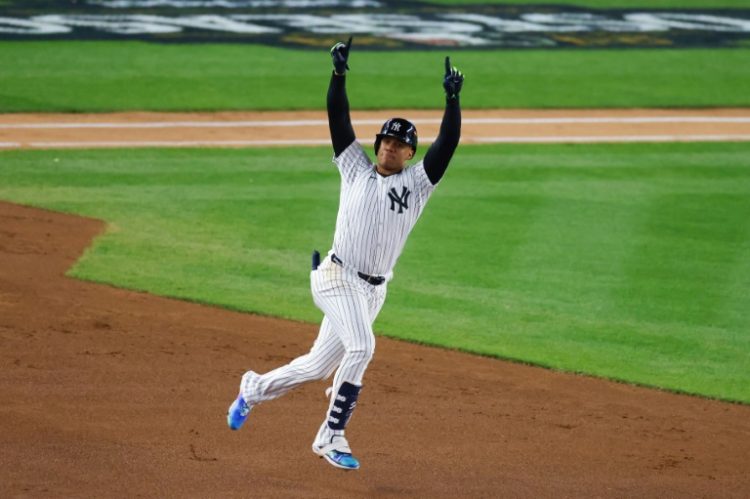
(237, 413)
(343, 460)
(335, 449)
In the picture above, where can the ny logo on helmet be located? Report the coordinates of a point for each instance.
(396, 126)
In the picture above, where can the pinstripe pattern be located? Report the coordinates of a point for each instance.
(345, 340)
(319, 363)
(370, 231)
(350, 306)
(376, 215)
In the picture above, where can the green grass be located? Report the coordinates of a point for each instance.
(625, 261)
(119, 76)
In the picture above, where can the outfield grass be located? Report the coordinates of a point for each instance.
(120, 76)
(624, 261)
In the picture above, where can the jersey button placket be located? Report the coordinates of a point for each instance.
(380, 213)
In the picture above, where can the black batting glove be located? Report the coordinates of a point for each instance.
(453, 80)
(340, 54)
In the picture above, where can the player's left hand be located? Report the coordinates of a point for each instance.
(453, 79)
(340, 56)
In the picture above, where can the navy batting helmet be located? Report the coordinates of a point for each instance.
(398, 128)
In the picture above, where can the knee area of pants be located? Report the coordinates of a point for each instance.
(360, 354)
(324, 372)
(318, 371)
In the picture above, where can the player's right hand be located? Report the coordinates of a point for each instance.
(340, 56)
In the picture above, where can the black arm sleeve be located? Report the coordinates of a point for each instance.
(441, 151)
(339, 121)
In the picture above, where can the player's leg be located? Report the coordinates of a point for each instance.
(349, 321)
(355, 322)
(318, 363)
(351, 309)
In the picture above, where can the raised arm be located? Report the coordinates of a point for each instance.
(339, 121)
(441, 151)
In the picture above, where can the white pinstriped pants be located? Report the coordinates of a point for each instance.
(345, 343)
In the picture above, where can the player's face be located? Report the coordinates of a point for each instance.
(393, 155)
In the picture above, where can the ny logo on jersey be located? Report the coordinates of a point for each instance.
(402, 200)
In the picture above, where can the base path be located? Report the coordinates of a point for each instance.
(112, 393)
(48, 131)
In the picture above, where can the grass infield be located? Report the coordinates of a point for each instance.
(92, 76)
(630, 262)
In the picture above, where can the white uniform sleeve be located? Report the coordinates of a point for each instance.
(422, 183)
(352, 161)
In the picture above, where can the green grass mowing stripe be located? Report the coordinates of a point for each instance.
(120, 76)
(199, 224)
(553, 250)
(625, 261)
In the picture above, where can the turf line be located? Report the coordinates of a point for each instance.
(434, 121)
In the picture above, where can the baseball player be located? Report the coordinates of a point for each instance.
(379, 205)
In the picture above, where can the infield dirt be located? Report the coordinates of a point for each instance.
(112, 393)
(243, 129)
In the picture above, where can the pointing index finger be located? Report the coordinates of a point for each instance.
(349, 44)
(447, 65)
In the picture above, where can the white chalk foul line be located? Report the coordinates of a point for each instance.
(425, 121)
(614, 138)
(180, 143)
(321, 142)
(166, 124)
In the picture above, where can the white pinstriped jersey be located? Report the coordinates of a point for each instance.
(376, 213)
